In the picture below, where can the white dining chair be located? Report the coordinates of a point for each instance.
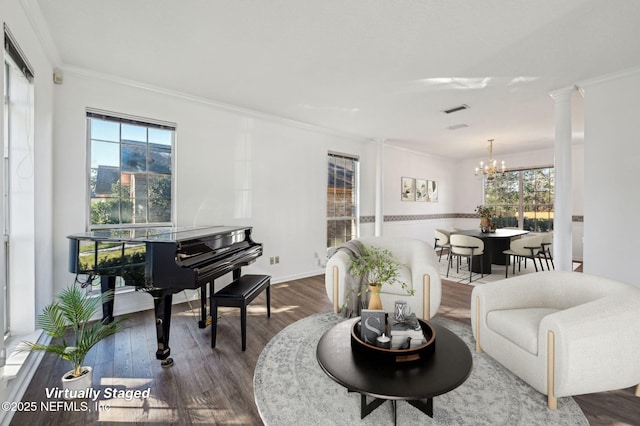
(524, 248)
(441, 241)
(467, 247)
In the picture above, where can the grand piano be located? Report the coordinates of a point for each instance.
(162, 261)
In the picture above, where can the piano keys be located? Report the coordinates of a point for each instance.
(162, 261)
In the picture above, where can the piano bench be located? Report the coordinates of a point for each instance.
(239, 294)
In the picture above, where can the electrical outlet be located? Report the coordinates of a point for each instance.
(277, 259)
(271, 262)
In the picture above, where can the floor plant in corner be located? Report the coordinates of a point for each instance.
(68, 321)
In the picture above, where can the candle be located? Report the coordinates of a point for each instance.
(383, 342)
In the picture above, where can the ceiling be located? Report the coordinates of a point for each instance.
(383, 69)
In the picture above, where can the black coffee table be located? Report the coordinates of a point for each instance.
(416, 382)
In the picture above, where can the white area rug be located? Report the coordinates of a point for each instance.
(291, 389)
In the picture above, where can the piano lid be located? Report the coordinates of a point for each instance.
(156, 234)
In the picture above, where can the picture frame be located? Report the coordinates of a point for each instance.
(372, 325)
(408, 189)
(421, 190)
(432, 191)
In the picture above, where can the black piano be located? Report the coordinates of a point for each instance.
(162, 261)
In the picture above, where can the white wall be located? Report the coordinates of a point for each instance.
(231, 168)
(398, 163)
(611, 158)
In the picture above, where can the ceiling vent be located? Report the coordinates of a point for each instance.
(457, 126)
(456, 109)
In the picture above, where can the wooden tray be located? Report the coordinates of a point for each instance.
(365, 350)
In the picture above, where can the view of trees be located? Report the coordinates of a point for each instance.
(522, 198)
(130, 174)
(151, 205)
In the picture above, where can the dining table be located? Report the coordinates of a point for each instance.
(495, 243)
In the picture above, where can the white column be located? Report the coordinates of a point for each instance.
(563, 208)
(379, 218)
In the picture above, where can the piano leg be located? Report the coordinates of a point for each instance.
(107, 283)
(162, 305)
(202, 323)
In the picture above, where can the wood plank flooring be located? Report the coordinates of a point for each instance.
(215, 386)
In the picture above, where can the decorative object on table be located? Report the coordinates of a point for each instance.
(406, 333)
(287, 377)
(377, 266)
(373, 325)
(419, 270)
(69, 317)
(421, 349)
(402, 310)
(485, 217)
(383, 341)
(491, 168)
(408, 189)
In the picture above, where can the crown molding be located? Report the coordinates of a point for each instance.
(607, 77)
(90, 74)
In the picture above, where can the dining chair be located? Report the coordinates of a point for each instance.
(524, 248)
(547, 241)
(441, 241)
(467, 247)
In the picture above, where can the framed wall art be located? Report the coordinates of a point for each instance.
(432, 191)
(408, 189)
(421, 190)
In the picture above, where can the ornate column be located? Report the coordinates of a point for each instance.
(563, 208)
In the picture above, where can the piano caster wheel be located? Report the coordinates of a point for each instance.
(166, 362)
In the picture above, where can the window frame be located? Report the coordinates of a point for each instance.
(120, 118)
(522, 204)
(355, 216)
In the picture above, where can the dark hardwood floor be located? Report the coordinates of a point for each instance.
(215, 386)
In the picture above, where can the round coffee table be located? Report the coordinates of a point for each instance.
(416, 382)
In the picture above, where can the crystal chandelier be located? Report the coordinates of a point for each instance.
(491, 168)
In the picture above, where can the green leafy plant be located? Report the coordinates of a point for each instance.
(67, 321)
(484, 211)
(378, 266)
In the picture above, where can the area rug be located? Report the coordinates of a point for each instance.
(291, 389)
(497, 272)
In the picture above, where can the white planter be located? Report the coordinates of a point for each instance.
(75, 385)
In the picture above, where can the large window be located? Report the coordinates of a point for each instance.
(130, 171)
(342, 199)
(522, 198)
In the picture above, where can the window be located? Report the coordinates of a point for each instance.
(523, 198)
(130, 175)
(342, 199)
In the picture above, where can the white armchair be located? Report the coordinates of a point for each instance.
(564, 333)
(420, 271)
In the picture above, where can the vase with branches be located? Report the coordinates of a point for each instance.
(377, 266)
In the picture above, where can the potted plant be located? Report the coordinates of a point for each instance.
(377, 266)
(485, 217)
(67, 321)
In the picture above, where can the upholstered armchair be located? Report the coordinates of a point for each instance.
(564, 333)
(420, 271)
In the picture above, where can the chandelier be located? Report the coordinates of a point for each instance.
(491, 168)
